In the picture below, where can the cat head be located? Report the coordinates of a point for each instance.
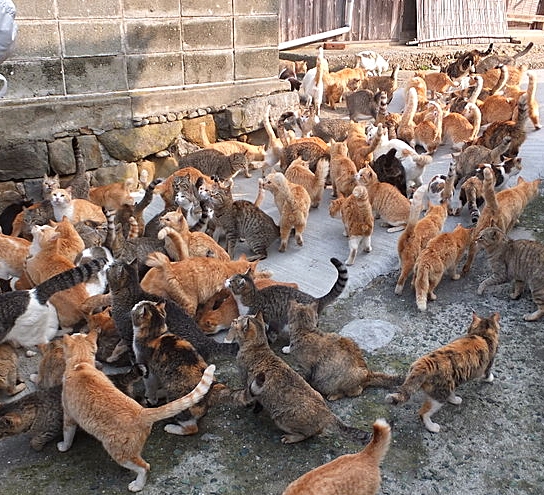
(52, 364)
(61, 197)
(366, 176)
(217, 313)
(185, 192)
(148, 318)
(49, 184)
(491, 237)
(247, 329)
(175, 220)
(484, 326)
(123, 275)
(80, 348)
(241, 283)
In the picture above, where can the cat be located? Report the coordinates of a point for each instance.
(241, 219)
(356, 213)
(418, 85)
(166, 188)
(91, 401)
(26, 316)
(406, 127)
(293, 203)
(465, 62)
(212, 162)
(311, 150)
(296, 66)
(326, 129)
(389, 84)
(416, 236)
(495, 59)
(387, 201)
(76, 210)
(312, 83)
(372, 62)
(10, 380)
(459, 129)
(13, 254)
(299, 173)
(428, 133)
(389, 169)
(441, 255)
(70, 243)
(360, 148)
(49, 184)
(79, 183)
(389, 120)
(497, 108)
(503, 209)
(437, 82)
(439, 189)
(293, 405)
(342, 170)
(350, 473)
(126, 291)
(37, 214)
(334, 87)
(272, 301)
(470, 157)
(333, 365)
(362, 104)
(113, 196)
(274, 148)
(92, 233)
(519, 261)
(51, 366)
(440, 372)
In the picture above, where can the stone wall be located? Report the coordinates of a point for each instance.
(90, 67)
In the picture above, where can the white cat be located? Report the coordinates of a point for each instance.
(373, 62)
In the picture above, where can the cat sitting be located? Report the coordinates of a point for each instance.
(342, 170)
(75, 209)
(10, 381)
(389, 169)
(440, 372)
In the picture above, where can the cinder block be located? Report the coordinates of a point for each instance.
(146, 71)
(198, 8)
(91, 38)
(31, 9)
(28, 79)
(207, 33)
(69, 9)
(36, 40)
(151, 8)
(23, 160)
(207, 67)
(94, 74)
(256, 31)
(153, 36)
(252, 63)
(243, 7)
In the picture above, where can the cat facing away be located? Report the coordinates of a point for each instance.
(520, 261)
(332, 364)
(10, 381)
(342, 170)
(293, 405)
(350, 473)
(299, 173)
(441, 371)
(90, 400)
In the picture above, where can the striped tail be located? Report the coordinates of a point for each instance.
(148, 197)
(337, 288)
(68, 279)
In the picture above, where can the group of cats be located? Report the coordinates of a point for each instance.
(148, 294)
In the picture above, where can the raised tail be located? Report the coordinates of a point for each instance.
(148, 197)
(338, 286)
(523, 112)
(176, 406)
(68, 279)
(489, 191)
(524, 51)
(204, 135)
(381, 438)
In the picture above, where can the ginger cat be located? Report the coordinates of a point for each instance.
(428, 133)
(497, 108)
(70, 243)
(420, 86)
(459, 129)
(52, 365)
(441, 255)
(192, 281)
(437, 82)
(356, 213)
(274, 148)
(293, 203)
(360, 148)
(299, 173)
(406, 127)
(440, 372)
(350, 473)
(13, 254)
(92, 401)
(113, 196)
(387, 201)
(76, 210)
(10, 381)
(389, 84)
(342, 170)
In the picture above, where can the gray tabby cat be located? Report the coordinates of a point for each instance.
(362, 104)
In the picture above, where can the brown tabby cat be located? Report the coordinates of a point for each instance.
(113, 196)
(310, 149)
(333, 365)
(49, 184)
(440, 372)
(293, 203)
(442, 254)
(350, 473)
(467, 160)
(342, 170)
(519, 260)
(299, 173)
(166, 187)
(356, 213)
(90, 400)
(293, 405)
(9, 373)
(387, 201)
(76, 210)
(80, 181)
(51, 367)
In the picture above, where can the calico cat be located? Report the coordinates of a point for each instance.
(79, 183)
(387, 201)
(465, 62)
(299, 173)
(333, 365)
(293, 203)
(76, 210)
(441, 254)
(362, 104)
(520, 260)
(389, 169)
(459, 129)
(272, 301)
(440, 372)
(26, 316)
(241, 219)
(293, 405)
(356, 213)
(350, 473)
(113, 196)
(342, 170)
(90, 400)
(10, 381)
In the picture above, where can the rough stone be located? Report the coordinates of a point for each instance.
(107, 175)
(134, 144)
(61, 156)
(23, 160)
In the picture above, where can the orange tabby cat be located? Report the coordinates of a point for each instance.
(90, 400)
(274, 148)
(299, 173)
(388, 203)
(458, 129)
(428, 133)
(13, 253)
(406, 127)
(348, 474)
(360, 149)
(76, 210)
(9, 374)
(356, 213)
(419, 84)
(70, 243)
(442, 254)
(342, 170)
(192, 281)
(437, 82)
(113, 196)
(293, 203)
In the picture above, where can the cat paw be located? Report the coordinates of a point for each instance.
(286, 349)
(398, 289)
(455, 399)
(136, 486)
(456, 276)
(62, 446)
(430, 425)
(489, 378)
(30, 353)
(34, 377)
(534, 316)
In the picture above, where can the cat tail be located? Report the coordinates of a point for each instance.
(415, 211)
(170, 409)
(383, 380)
(420, 281)
(147, 198)
(381, 438)
(68, 279)
(523, 112)
(268, 126)
(337, 288)
(524, 51)
(351, 432)
(180, 245)
(415, 379)
(489, 190)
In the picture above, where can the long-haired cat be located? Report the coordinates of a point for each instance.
(333, 365)
(91, 401)
(387, 201)
(355, 211)
(10, 381)
(75, 209)
(293, 203)
(342, 170)
(350, 473)
(440, 372)
(293, 405)
(441, 255)
(299, 173)
(520, 261)
(272, 301)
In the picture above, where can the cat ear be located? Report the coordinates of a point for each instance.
(93, 335)
(259, 317)
(161, 307)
